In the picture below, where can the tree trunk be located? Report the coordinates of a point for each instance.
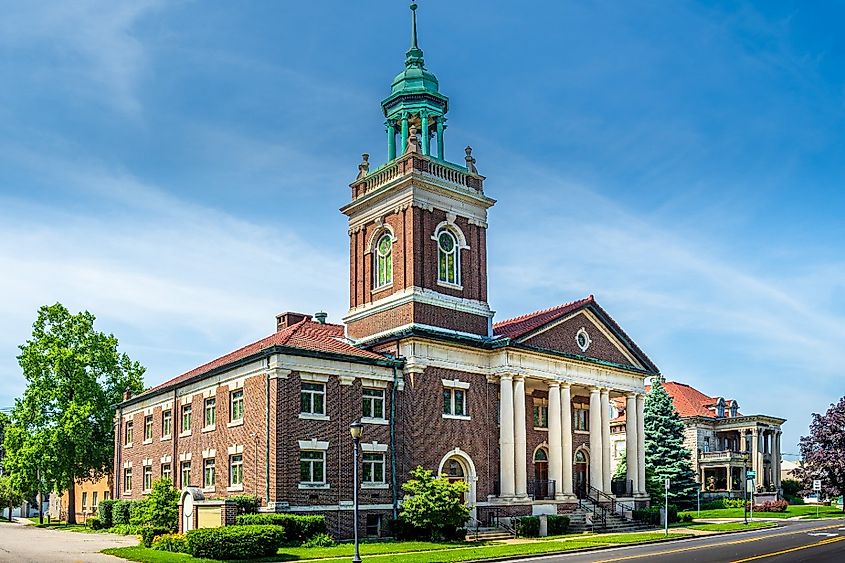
(71, 503)
(10, 511)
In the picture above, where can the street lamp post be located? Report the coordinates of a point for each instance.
(355, 429)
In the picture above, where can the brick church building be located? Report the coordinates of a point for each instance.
(519, 409)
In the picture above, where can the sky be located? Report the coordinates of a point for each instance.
(176, 168)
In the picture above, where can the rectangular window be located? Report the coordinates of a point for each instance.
(707, 443)
(236, 469)
(127, 479)
(165, 471)
(94, 501)
(84, 502)
(312, 398)
(166, 423)
(210, 412)
(236, 405)
(582, 419)
(186, 418)
(148, 428)
(185, 471)
(454, 402)
(541, 416)
(127, 433)
(312, 466)
(373, 525)
(208, 473)
(148, 477)
(374, 468)
(373, 403)
(106, 495)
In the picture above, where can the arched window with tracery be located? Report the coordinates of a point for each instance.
(448, 258)
(383, 261)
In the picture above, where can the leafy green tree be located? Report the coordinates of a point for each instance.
(63, 426)
(4, 422)
(823, 451)
(9, 495)
(665, 453)
(621, 467)
(161, 507)
(434, 506)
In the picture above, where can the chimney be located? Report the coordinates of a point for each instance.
(288, 318)
(127, 394)
(321, 317)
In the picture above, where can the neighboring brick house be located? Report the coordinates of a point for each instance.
(519, 409)
(724, 442)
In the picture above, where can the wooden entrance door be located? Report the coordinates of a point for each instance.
(580, 473)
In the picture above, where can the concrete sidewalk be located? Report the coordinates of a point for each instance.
(21, 543)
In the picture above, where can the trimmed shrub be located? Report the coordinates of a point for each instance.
(235, 542)
(298, 528)
(104, 512)
(247, 504)
(320, 540)
(150, 533)
(94, 523)
(174, 543)
(651, 515)
(557, 524)
(138, 512)
(125, 530)
(120, 513)
(527, 527)
(772, 506)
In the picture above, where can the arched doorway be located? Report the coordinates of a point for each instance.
(580, 472)
(458, 466)
(542, 487)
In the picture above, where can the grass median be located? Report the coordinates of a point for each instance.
(804, 510)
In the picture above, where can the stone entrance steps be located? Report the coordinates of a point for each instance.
(614, 523)
(489, 534)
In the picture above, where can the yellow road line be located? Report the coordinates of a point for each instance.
(790, 550)
(697, 547)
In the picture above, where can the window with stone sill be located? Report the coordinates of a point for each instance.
(236, 470)
(541, 416)
(383, 261)
(148, 428)
(166, 422)
(148, 477)
(581, 419)
(84, 501)
(373, 403)
(186, 418)
(236, 405)
(454, 402)
(448, 258)
(312, 467)
(94, 501)
(210, 418)
(185, 471)
(208, 473)
(127, 433)
(165, 471)
(374, 469)
(127, 479)
(312, 399)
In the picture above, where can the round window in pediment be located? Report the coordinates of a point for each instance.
(582, 339)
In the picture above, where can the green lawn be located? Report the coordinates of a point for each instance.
(791, 510)
(729, 526)
(417, 552)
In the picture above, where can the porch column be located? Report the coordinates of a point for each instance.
(776, 458)
(605, 440)
(728, 485)
(631, 441)
(755, 453)
(555, 451)
(521, 485)
(641, 444)
(565, 485)
(596, 478)
(506, 436)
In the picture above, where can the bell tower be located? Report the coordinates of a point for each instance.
(417, 223)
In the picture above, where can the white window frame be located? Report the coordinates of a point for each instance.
(148, 471)
(169, 473)
(233, 421)
(206, 424)
(378, 257)
(190, 412)
(84, 502)
(148, 429)
(233, 463)
(94, 501)
(166, 429)
(455, 254)
(575, 415)
(128, 433)
(373, 400)
(311, 414)
(127, 480)
(184, 464)
(209, 462)
(454, 388)
(540, 406)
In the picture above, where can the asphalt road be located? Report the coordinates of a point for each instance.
(25, 544)
(816, 541)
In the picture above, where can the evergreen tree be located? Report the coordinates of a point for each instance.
(665, 454)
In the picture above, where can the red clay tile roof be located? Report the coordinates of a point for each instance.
(522, 325)
(306, 335)
(689, 401)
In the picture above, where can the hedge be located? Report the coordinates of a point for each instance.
(120, 512)
(247, 504)
(138, 512)
(236, 542)
(104, 512)
(557, 525)
(298, 528)
(150, 533)
(527, 527)
(651, 515)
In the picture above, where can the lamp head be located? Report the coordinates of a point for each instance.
(356, 429)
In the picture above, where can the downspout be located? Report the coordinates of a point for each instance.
(267, 442)
(393, 479)
(174, 418)
(119, 447)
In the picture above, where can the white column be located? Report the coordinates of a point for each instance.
(521, 485)
(605, 440)
(641, 443)
(565, 485)
(631, 441)
(776, 458)
(596, 479)
(555, 454)
(755, 455)
(506, 445)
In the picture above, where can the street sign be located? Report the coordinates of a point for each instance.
(817, 485)
(667, 483)
(750, 474)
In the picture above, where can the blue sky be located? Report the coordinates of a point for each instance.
(176, 168)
